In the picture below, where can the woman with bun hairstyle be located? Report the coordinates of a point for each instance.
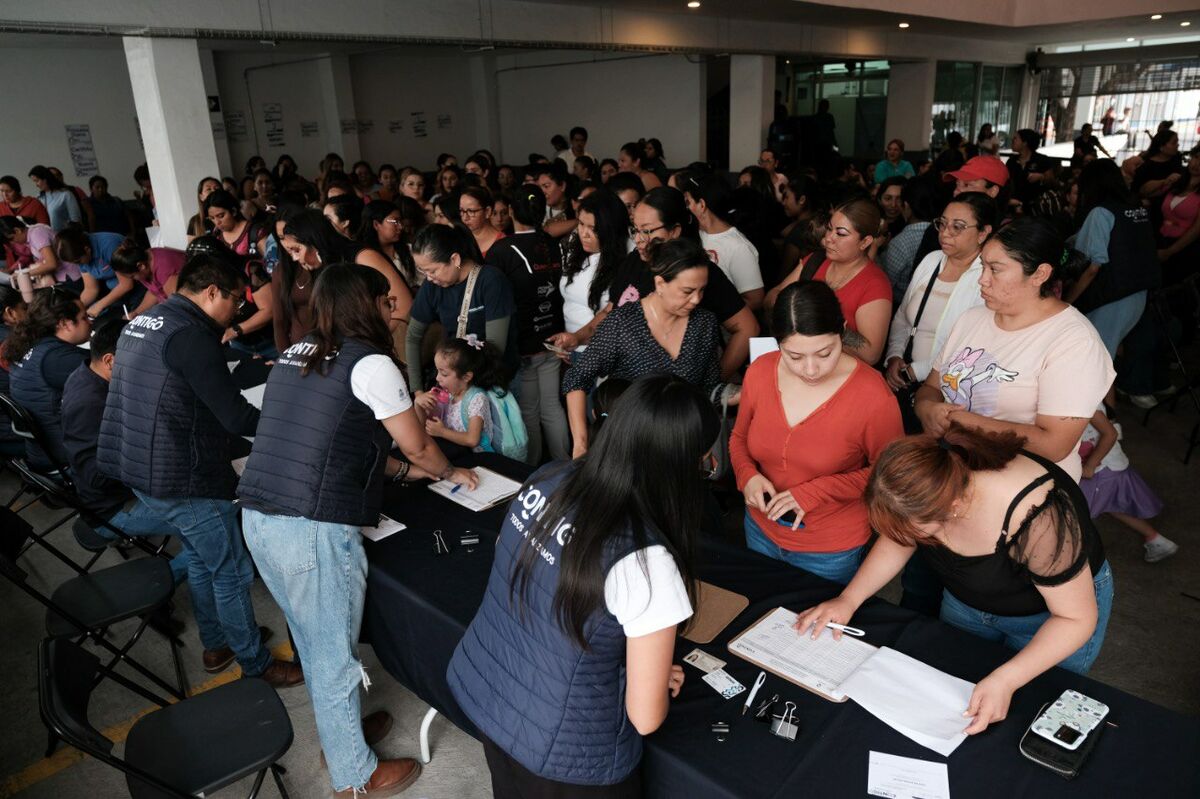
(1010, 535)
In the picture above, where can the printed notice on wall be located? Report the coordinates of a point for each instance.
(218, 130)
(444, 122)
(396, 126)
(235, 125)
(273, 117)
(83, 151)
(365, 126)
(309, 129)
(420, 128)
(349, 126)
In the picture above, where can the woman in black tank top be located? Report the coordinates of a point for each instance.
(1010, 535)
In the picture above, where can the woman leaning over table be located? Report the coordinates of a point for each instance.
(591, 578)
(1010, 535)
(812, 421)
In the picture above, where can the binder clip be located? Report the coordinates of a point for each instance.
(440, 547)
(721, 730)
(469, 540)
(763, 711)
(784, 725)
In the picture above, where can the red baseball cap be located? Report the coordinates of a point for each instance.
(987, 167)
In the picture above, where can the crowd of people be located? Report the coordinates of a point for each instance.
(940, 402)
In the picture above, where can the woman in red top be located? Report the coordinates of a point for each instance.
(862, 288)
(812, 421)
(13, 203)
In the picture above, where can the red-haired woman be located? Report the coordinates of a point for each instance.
(1010, 535)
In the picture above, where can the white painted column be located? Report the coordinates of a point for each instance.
(485, 103)
(337, 101)
(209, 70)
(910, 104)
(169, 95)
(751, 107)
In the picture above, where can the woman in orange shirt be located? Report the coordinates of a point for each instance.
(813, 419)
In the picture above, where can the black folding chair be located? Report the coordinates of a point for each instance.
(188, 749)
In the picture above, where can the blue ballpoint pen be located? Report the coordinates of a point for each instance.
(455, 489)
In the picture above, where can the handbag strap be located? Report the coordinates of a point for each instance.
(908, 345)
(466, 302)
(811, 264)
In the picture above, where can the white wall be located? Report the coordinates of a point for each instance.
(44, 90)
(910, 104)
(618, 99)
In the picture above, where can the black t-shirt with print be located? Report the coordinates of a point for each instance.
(533, 265)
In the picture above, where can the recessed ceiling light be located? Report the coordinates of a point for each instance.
(694, 4)
(903, 25)
(1184, 24)
(1129, 38)
(1156, 16)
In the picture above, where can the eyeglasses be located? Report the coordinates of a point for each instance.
(956, 226)
(645, 234)
(238, 302)
(391, 220)
(470, 211)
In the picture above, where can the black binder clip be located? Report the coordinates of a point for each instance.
(440, 547)
(784, 725)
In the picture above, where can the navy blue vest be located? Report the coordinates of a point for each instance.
(522, 679)
(30, 389)
(157, 436)
(1132, 260)
(319, 451)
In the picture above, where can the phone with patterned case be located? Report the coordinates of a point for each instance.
(1070, 719)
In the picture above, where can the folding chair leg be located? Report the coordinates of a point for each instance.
(179, 674)
(277, 771)
(122, 655)
(51, 743)
(258, 781)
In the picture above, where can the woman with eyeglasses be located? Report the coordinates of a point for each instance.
(944, 285)
(591, 579)
(474, 207)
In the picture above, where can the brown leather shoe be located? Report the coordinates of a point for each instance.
(390, 778)
(217, 660)
(283, 674)
(375, 727)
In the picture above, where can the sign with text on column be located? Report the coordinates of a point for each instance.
(83, 150)
(273, 117)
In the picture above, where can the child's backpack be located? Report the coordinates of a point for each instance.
(512, 439)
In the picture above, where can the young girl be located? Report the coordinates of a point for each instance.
(1113, 487)
(467, 369)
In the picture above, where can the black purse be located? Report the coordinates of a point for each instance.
(907, 396)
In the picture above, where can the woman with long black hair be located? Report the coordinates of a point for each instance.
(334, 404)
(382, 230)
(592, 576)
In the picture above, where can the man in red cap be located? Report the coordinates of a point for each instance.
(985, 173)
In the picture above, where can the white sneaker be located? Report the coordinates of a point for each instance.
(1143, 401)
(1160, 548)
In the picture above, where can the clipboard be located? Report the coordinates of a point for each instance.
(715, 609)
(787, 664)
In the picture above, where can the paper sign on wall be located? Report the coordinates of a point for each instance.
(235, 125)
(365, 126)
(444, 122)
(273, 117)
(309, 129)
(396, 126)
(349, 126)
(419, 127)
(83, 151)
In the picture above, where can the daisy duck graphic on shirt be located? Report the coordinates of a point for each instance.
(972, 379)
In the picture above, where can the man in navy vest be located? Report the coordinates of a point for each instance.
(171, 410)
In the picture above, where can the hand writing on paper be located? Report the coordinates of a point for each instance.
(467, 478)
(838, 610)
(989, 703)
(675, 680)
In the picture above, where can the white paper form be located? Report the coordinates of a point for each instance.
(906, 778)
(386, 527)
(493, 488)
(255, 395)
(823, 664)
(913, 698)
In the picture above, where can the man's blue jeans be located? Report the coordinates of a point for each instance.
(220, 574)
(317, 572)
(138, 521)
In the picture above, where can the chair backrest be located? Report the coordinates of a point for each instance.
(66, 676)
(25, 426)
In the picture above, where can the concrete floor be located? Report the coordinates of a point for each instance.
(1151, 650)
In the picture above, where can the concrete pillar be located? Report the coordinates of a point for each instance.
(168, 93)
(910, 104)
(209, 70)
(751, 107)
(337, 102)
(484, 101)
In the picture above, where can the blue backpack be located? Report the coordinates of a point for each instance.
(512, 439)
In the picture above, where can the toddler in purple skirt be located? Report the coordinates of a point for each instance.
(1112, 486)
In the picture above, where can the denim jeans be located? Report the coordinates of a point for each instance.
(836, 566)
(317, 572)
(1114, 320)
(138, 521)
(1017, 631)
(265, 348)
(219, 573)
(538, 387)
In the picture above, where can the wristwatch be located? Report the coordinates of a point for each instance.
(237, 329)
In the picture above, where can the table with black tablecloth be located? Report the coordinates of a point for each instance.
(419, 604)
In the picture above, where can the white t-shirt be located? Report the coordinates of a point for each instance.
(736, 256)
(1116, 460)
(649, 600)
(376, 381)
(576, 311)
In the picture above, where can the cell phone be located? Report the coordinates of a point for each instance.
(788, 519)
(1069, 720)
(557, 350)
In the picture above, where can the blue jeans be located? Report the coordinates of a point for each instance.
(265, 348)
(1017, 631)
(1114, 320)
(138, 521)
(836, 566)
(220, 574)
(317, 572)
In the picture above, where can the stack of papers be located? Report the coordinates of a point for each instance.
(254, 395)
(493, 489)
(386, 527)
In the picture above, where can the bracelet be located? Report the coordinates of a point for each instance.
(236, 329)
(402, 472)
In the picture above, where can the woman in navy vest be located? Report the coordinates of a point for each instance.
(42, 351)
(567, 664)
(334, 403)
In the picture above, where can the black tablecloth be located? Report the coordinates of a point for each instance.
(419, 604)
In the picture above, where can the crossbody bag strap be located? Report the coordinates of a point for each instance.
(466, 303)
(908, 345)
(811, 265)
